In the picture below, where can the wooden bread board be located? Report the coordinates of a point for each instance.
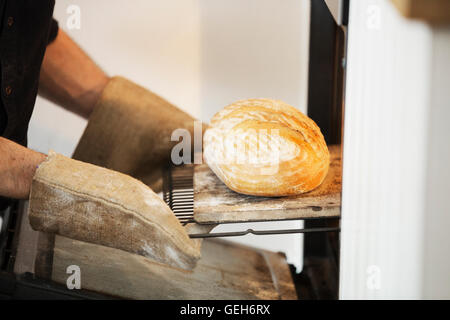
(215, 203)
(225, 271)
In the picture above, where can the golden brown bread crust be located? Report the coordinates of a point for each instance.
(267, 148)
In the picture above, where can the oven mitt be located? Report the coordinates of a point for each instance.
(130, 131)
(85, 202)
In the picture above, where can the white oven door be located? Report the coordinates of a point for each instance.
(396, 178)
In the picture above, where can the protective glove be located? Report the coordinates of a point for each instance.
(93, 204)
(130, 131)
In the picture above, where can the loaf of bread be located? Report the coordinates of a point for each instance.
(266, 147)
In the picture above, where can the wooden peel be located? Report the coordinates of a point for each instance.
(215, 203)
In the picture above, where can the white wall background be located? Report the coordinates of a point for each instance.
(199, 54)
(395, 242)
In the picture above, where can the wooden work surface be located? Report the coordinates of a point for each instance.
(225, 271)
(431, 11)
(214, 202)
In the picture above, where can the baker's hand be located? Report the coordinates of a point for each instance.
(89, 203)
(130, 131)
(17, 167)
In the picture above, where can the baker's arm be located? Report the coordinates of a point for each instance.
(130, 129)
(69, 77)
(17, 167)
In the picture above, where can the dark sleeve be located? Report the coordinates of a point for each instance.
(53, 31)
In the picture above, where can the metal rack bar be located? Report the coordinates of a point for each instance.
(261, 232)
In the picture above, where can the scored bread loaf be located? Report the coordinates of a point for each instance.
(267, 148)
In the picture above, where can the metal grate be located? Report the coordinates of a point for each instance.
(178, 193)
